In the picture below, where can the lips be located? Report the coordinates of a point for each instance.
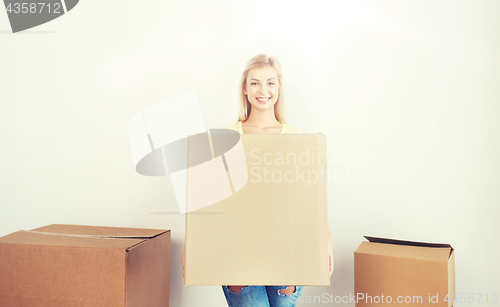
(263, 99)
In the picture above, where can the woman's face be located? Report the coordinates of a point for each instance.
(262, 87)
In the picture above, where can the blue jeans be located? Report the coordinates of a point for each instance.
(261, 296)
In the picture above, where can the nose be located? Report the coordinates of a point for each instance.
(263, 89)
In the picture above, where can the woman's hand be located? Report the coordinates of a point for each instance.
(330, 252)
(183, 259)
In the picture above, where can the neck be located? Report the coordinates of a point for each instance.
(262, 118)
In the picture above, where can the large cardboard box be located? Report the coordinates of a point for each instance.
(272, 229)
(390, 271)
(68, 265)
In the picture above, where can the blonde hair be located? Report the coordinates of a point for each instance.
(260, 61)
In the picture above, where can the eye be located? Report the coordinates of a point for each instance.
(271, 83)
(253, 83)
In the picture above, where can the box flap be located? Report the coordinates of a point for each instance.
(100, 232)
(409, 249)
(402, 242)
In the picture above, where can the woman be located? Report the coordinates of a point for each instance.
(262, 112)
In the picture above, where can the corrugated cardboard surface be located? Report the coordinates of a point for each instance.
(148, 270)
(268, 233)
(67, 265)
(404, 270)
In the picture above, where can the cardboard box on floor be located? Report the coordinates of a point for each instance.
(411, 273)
(274, 229)
(68, 265)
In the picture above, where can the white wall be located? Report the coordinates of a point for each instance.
(413, 83)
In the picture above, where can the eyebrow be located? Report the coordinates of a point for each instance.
(267, 79)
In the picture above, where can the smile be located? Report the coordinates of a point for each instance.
(263, 99)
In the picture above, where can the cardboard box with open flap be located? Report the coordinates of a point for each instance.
(70, 265)
(413, 273)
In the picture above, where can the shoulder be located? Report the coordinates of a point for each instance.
(288, 129)
(234, 126)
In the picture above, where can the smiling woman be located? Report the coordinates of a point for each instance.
(262, 100)
(262, 112)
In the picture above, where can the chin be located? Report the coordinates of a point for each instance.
(262, 107)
